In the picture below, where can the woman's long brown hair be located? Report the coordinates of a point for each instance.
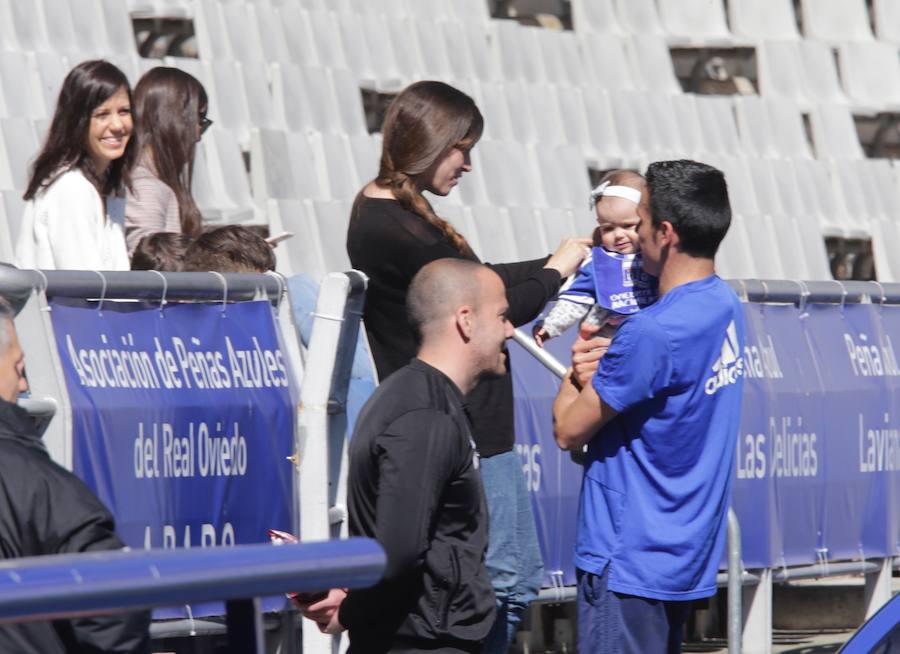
(168, 103)
(421, 126)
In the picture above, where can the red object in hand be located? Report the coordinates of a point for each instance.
(281, 538)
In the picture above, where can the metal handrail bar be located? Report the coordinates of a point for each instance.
(52, 587)
(826, 292)
(17, 285)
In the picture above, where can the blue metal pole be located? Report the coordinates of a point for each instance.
(51, 587)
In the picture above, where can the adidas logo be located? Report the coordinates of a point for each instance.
(729, 366)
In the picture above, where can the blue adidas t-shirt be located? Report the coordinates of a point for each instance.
(657, 481)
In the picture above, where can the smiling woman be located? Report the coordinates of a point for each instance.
(74, 214)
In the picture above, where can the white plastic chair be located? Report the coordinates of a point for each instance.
(209, 27)
(302, 253)
(788, 128)
(886, 14)
(834, 132)
(781, 71)
(18, 147)
(653, 64)
(757, 20)
(822, 82)
(607, 62)
(640, 17)
(695, 23)
(604, 135)
(495, 234)
(332, 219)
(756, 131)
(245, 42)
(518, 52)
(871, 74)
(20, 89)
(596, 16)
(836, 21)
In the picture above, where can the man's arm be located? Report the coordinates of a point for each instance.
(578, 415)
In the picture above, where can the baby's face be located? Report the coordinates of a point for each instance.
(617, 222)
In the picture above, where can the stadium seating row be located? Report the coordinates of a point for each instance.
(743, 22)
(284, 81)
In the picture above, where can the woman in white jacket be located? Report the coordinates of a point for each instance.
(75, 210)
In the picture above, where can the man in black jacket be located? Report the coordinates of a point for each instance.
(414, 483)
(45, 509)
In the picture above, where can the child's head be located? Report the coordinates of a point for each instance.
(232, 248)
(163, 251)
(615, 201)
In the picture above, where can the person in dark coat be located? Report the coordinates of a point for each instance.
(45, 509)
(414, 482)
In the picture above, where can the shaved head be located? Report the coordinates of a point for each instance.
(439, 289)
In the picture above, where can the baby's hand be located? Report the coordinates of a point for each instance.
(540, 335)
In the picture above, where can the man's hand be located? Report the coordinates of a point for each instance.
(587, 351)
(325, 611)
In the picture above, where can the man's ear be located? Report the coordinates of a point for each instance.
(668, 235)
(465, 322)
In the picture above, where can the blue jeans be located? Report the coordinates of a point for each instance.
(513, 557)
(615, 623)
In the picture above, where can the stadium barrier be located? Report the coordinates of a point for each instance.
(817, 457)
(95, 583)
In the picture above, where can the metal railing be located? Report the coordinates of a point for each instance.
(100, 583)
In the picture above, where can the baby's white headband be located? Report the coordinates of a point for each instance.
(605, 190)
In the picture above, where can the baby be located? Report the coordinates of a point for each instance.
(610, 285)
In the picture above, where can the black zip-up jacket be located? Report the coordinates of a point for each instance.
(45, 509)
(415, 487)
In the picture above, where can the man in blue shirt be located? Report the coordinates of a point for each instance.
(660, 418)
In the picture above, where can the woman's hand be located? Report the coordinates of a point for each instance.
(587, 350)
(569, 255)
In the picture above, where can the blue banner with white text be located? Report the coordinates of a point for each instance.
(182, 418)
(817, 474)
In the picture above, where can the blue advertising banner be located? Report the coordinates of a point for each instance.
(857, 359)
(817, 474)
(551, 476)
(182, 418)
(779, 473)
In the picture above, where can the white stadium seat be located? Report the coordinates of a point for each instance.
(596, 16)
(781, 72)
(695, 23)
(871, 74)
(834, 132)
(18, 146)
(886, 14)
(652, 64)
(639, 17)
(757, 20)
(836, 21)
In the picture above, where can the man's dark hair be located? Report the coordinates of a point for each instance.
(693, 197)
(232, 248)
(163, 251)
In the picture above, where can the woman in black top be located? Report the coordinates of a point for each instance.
(428, 133)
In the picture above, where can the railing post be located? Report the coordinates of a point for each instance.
(735, 584)
(757, 612)
(878, 586)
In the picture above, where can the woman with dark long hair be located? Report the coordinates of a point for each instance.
(170, 112)
(74, 214)
(429, 131)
